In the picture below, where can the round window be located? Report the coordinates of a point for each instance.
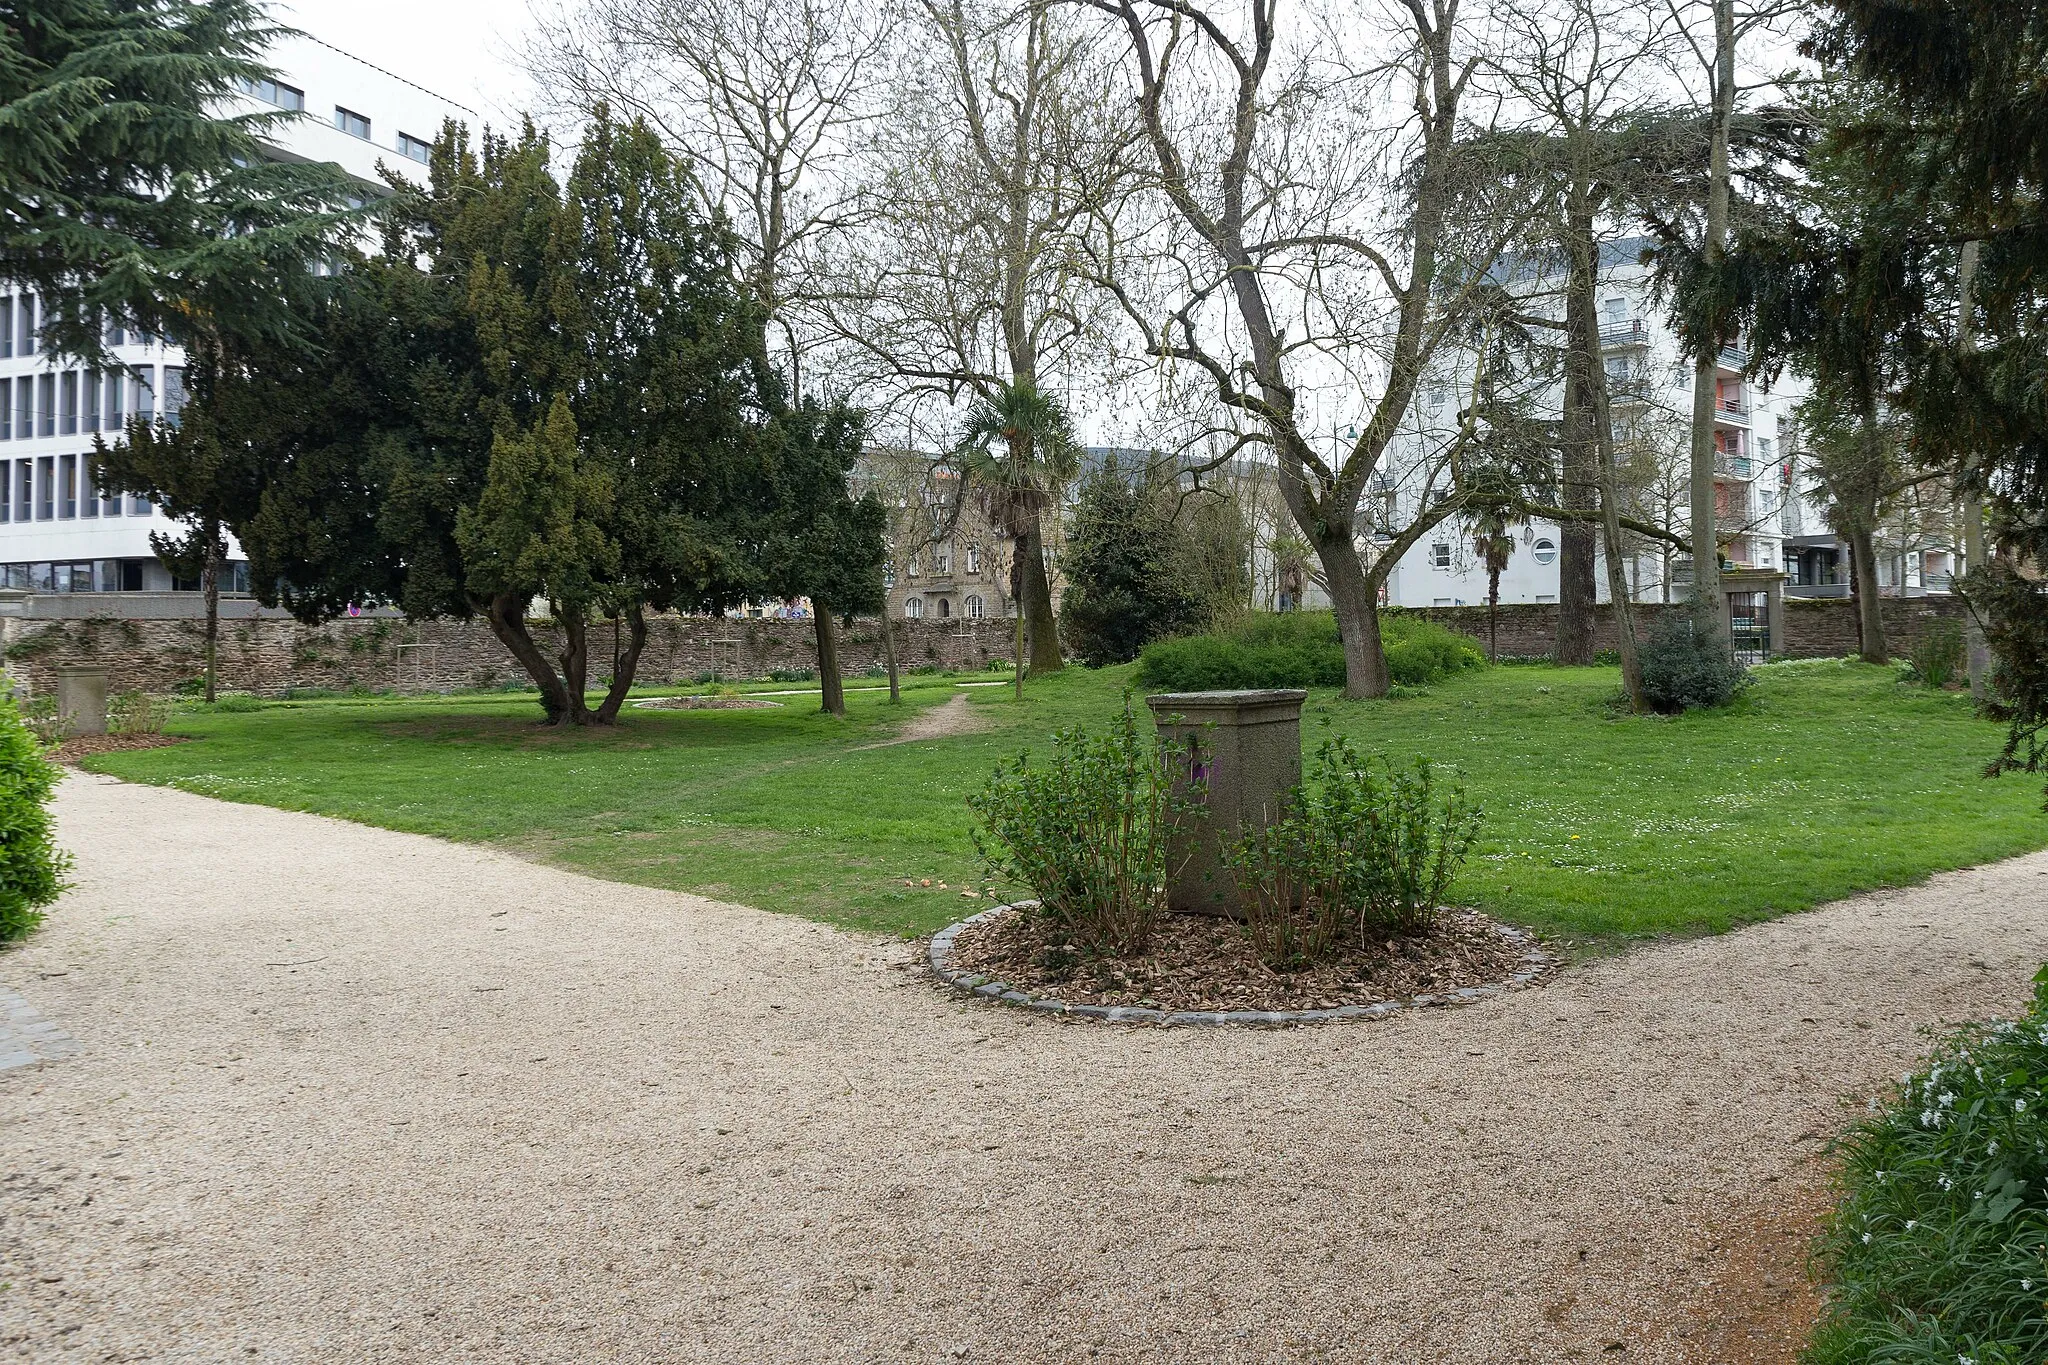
(1546, 550)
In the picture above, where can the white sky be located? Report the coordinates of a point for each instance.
(460, 49)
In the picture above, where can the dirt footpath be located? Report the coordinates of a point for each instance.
(343, 1094)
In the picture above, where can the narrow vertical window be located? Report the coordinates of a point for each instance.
(6, 411)
(88, 496)
(46, 405)
(24, 480)
(67, 403)
(6, 490)
(24, 408)
(142, 392)
(6, 325)
(174, 394)
(26, 337)
(89, 402)
(67, 487)
(46, 479)
(114, 419)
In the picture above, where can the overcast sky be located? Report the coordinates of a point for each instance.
(460, 49)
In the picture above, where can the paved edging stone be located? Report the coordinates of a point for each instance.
(1536, 964)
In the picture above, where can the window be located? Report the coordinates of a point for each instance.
(1546, 597)
(910, 567)
(46, 405)
(6, 413)
(1440, 555)
(1436, 395)
(110, 504)
(1615, 310)
(174, 393)
(1765, 446)
(25, 326)
(67, 403)
(974, 607)
(1617, 367)
(410, 146)
(974, 566)
(352, 123)
(115, 334)
(913, 607)
(46, 479)
(1545, 550)
(276, 92)
(888, 575)
(6, 325)
(24, 408)
(24, 476)
(6, 490)
(1439, 601)
(88, 496)
(112, 419)
(67, 487)
(945, 608)
(942, 558)
(142, 392)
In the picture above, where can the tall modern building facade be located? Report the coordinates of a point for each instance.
(57, 532)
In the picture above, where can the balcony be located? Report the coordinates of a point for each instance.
(1733, 357)
(1632, 332)
(1732, 410)
(1728, 466)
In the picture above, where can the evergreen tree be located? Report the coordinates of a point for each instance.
(124, 191)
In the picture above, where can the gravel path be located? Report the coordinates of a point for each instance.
(343, 1094)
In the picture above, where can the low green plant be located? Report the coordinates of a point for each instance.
(791, 674)
(232, 703)
(1938, 1249)
(44, 721)
(137, 713)
(32, 867)
(1939, 654)
(1087, 831)
(1683, 670)
(1303, 649)
(1361, 852)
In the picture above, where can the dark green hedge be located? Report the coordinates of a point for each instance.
(31, 866)
(1302, 649)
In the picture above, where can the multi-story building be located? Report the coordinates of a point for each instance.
(1650, 388)
(946, 560)
(57, 532)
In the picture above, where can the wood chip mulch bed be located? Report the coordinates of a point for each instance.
(706, 704)
(85, 746)
(1202, 963)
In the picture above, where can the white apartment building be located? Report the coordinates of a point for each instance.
(1650, 386)
(57, 532)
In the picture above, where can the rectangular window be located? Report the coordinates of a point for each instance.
(139, 507)
(174, 393)
(352, 123)
(46, 405)
(6, 325)
(110, 504)
(24, 408)
(25, 334)
(106, 574)
(46, 488)
(277, 93)
(113, 420)
(6, 490)
(408, 145)
(67, 403)
(6, 412)
(131, 575)
(42, 577)
(1440, 555)
(116, 334)
(24, 478)
(67, 487)
(89, 402)
(88, 496)
(142, 392)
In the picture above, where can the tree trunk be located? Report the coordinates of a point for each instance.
(1869, 603)
(889, 653)
(1017, 606)
(1355, 599)
(831, 692)
(575, 661)
(1710, 616)
(1492, 615)
(1042, 632)
(209, 585)
(625, 664)
(1977, 652)
(506, 613)
(1584, 286)
(1579, 478)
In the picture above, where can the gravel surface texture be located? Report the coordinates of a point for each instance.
(345, 1094)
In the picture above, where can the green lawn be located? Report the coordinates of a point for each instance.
(1827, 778)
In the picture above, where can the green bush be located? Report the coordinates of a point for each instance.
(137, 713)
(1303, 649)
(1939, 654)
(1087, 832)
(236, 703)
(1682, 671)
(32, 867)
(1357, 857)
(1938, 1249)
(791, 674)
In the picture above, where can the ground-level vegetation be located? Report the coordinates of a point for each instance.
(1823, 779)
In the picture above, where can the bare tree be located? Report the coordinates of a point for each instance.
(1001, 144)
(1319, 233)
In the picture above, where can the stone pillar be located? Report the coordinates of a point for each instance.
(1247, 747)
(82, 700)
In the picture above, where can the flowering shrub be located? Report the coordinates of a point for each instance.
(1938, 1251)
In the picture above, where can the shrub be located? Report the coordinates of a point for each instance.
(138, 713)
(237, 703)
(32, 867)
(1682, 671)
(1356, 857)
(1087, 831)
(1939, 654)
(1938, 1249)
(791, 674)
(44, 720)
(1303, 649)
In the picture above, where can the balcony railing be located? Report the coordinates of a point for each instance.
(1633, 332)
(1733, 357)
(1731, 410)
(1734, 466)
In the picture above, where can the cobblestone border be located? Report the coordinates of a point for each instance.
(1537, 963)
(26, 1037)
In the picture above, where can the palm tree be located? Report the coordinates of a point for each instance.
(1494, 542)
(1017, 450)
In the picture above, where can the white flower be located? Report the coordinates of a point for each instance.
(1866, 1239)
(1992, 1150)
(2019, 1106)
(1912, 1223)
(1946, 1183)
(2026, 1284)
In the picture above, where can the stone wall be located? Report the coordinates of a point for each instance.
(271, 654)
(1813, 628)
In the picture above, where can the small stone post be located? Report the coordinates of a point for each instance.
(1247, 746)
(82, 700)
